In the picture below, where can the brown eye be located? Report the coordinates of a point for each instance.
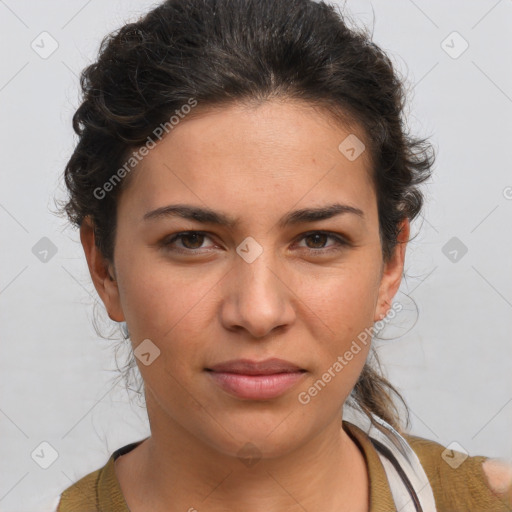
(318, 240)
(191, 241)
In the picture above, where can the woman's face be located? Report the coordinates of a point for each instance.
(257, 289)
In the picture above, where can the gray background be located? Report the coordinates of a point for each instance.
(453, 365)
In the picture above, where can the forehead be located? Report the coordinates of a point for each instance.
(270, 155)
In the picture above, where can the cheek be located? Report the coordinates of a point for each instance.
(345, 305)
(344, 302)
(163, 305)
(159, 299)
(345, 298)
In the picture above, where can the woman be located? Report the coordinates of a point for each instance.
(244, 187)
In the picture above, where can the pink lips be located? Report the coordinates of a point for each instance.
(256, 380)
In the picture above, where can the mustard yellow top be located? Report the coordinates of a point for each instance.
(463, 489)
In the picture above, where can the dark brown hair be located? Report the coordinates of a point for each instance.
(217, 52)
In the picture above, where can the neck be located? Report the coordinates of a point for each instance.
(174, 470)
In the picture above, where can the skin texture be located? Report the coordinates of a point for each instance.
(499, 477)
(302, 300)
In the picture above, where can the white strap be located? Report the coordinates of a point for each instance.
(409, 484)
(399, 491)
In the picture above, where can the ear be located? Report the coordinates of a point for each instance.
(392, 273)
(102, 272)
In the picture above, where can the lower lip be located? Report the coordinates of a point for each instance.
(256, 387)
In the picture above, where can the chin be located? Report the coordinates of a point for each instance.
(259, 436)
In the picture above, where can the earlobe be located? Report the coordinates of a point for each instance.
(102, 272)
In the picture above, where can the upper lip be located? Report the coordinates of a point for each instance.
(248, 367)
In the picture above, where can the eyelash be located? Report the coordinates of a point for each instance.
(340, 242)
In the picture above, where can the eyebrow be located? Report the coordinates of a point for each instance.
(208, 216)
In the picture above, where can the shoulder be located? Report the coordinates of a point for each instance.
(99, 490)
(82, 495)
(467, 482)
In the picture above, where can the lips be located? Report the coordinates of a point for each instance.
(248, 367)
(256, 380)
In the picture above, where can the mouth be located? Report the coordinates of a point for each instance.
(252, 380)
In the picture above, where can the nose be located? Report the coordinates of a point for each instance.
(258, 297)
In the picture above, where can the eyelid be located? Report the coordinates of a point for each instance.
(176, 236)
(330, 234)
(340, 242)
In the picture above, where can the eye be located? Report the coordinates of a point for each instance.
(319, 238)
(190, 240)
